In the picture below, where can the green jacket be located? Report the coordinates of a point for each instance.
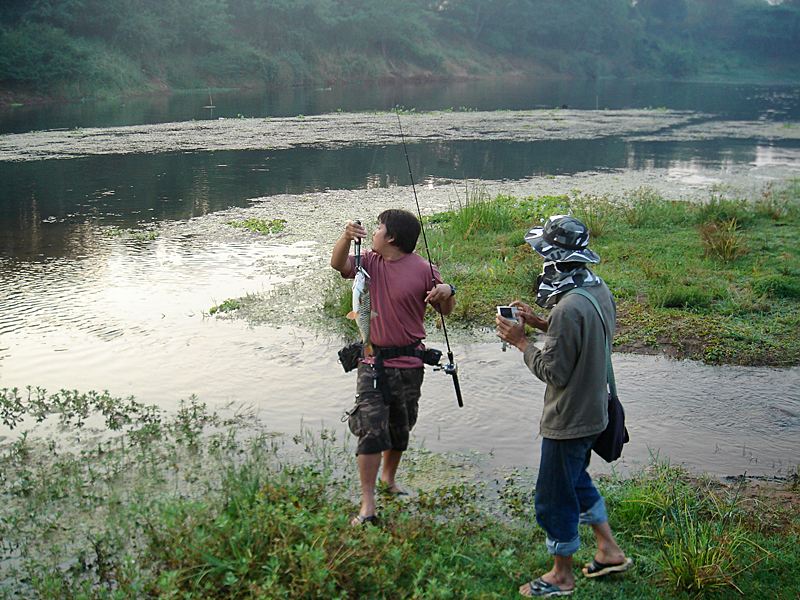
(572, 363)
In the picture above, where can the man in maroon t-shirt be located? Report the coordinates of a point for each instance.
(400, 285)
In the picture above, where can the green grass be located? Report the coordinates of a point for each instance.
(197, 504)
(715, 281)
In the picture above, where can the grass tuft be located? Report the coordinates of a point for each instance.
(722, 240)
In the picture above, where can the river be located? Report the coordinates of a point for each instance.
(114, 244)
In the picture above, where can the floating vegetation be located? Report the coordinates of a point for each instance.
(228, 305)
(262, 226)
(135, 234)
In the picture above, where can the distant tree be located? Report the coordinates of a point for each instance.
(668, 12)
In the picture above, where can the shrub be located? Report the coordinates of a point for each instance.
(700, 556)
(481, 213)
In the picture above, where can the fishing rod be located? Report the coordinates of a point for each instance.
(450, 368)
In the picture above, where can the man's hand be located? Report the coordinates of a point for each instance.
(511, 332)
(527, 316)
(354, 231)
(341, 249)
(442, 299)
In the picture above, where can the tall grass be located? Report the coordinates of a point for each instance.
(480, 212)
(699, 556)
(646, 208)
(722, 239)
(596, 212)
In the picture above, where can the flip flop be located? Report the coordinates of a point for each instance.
(388, 491)
(541, 589)
(361, 521)
(598, 569)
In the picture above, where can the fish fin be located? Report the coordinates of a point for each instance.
(368, 351)
(352, 315)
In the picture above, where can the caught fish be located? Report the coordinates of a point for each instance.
(362, 308)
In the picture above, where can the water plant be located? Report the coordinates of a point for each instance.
(262, 226)
(228, 305)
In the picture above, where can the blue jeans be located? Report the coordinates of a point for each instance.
(565, 494)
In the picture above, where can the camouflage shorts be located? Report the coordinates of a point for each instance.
(384, 424)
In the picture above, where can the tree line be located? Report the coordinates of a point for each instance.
(91, 47)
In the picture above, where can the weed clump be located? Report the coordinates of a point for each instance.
(261, 226)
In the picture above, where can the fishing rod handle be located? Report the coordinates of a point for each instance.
(458, 389)
(357, 243)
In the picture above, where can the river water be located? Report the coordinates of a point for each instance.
(114, 245)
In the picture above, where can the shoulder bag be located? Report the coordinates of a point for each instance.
(608, 444)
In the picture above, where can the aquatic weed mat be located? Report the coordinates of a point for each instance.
(338, 130)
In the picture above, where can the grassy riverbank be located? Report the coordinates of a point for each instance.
(203, 505)
(717, 281)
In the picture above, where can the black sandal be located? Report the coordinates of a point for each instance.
(361, 520)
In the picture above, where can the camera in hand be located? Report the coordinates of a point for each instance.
(507, 312)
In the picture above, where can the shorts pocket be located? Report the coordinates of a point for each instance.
(355, 422)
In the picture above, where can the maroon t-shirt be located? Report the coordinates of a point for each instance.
(397, 291)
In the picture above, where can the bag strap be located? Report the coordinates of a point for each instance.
(612, 384)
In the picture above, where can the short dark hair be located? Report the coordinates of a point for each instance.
(403, 227)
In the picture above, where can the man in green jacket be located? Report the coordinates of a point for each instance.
(572, 363)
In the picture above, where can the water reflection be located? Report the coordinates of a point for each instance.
(730, 100)
(41, 201)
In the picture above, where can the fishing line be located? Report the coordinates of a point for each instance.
(450, 368)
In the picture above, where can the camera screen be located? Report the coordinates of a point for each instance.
(506, 312)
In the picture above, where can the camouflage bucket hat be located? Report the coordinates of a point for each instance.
(562, 239)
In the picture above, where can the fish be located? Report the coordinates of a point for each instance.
(362, 308)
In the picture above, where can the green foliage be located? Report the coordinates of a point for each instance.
(260, 225)
(228, 305)
(596, 212)
(115, 45)
(699, 556)
(722, 240)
